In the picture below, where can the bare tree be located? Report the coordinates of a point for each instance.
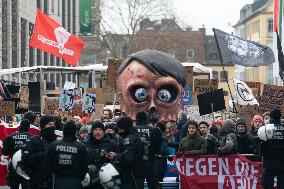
(121, 18)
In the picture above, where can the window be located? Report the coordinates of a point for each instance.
(45, 58)
(223, 76)
(45, 7)
(270, 26)
(52, 6)
(23, 42)
(215, 75)
(190, 53)
(58, 8)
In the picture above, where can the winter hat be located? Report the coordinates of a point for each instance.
(218, 122)
(124, 122)
(109, 125)
(24, 125)
(83, 130)
(45, 120)
(98, 124)
(241, 122)
(141, 117)
(228, 127)
(84, 120)
(257, 118)
(69, 128)
(29, 116)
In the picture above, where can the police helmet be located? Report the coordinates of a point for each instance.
(108, 175)
(17, 157)
(265, 133)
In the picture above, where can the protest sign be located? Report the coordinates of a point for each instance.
(24, 98)
(7, 108)
(99, 111)
(218, 172)
(77, 109)
(255, 87)
(193, 114)
(51, 105)
(66, 100)
(89, 103)
(211, 102)
(205, 85)
(5, 160)
(113, 65)
(247, 113)
(189, 75)
(272, 98)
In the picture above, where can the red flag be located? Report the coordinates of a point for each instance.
(51, 37)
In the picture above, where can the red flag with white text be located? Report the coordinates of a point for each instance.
(51, 37)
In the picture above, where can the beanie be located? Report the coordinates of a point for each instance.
(241, 122)
(69, 129)
(84, 120)
(45, 120)
(83, 130)
(24, 125)
(141, 117)
(29, 116)
(228, 127)
(98, 124)
(124, 122)
(257, 118)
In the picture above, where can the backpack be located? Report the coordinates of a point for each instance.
(143, 146)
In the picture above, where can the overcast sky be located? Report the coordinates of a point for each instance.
(221, 14)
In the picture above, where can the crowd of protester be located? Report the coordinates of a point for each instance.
(139, 151)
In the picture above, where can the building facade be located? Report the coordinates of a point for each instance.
(256, 24)
(17, 20)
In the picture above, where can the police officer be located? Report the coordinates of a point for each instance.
(272, 152)
(153, 136)
(34, 154)
(100, 150)
(11, 145)
(130, 157)
(69, 159)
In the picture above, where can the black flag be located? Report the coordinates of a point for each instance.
(239, 51)
(280, 58)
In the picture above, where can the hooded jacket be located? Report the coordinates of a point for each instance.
(229, 143)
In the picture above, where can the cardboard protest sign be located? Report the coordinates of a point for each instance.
(113, 65)
(247, 112)
(189, 75)
(66, 100)
(255, 87)
(193, 114)
(272, 98)
(89, 102)
(51, 105)
(205, 85)
(77, 109)
(7, 108)
(103, 95)
(207, 100)
(24, 98)
(99, 111)
(65, 116)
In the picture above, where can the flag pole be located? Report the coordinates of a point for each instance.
(221, 59)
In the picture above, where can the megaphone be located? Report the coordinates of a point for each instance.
(265, 133)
